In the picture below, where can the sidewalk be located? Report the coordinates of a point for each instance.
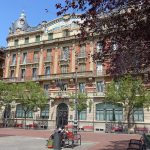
(12, 138)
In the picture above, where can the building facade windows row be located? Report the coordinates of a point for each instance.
(66, 33)
(20, 113)
(104, 112)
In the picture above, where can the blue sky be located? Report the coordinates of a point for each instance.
(34, 9)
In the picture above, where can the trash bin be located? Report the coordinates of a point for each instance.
(57, 141)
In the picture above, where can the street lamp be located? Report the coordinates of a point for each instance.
(75, 105)
(75, 124)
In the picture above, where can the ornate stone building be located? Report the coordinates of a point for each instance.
(51, 55)
(2, 57)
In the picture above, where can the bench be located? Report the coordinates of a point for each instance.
(141, 130)
(88, 128)
(18, 125)
(135, 144)
(72, 139)
(116, 129)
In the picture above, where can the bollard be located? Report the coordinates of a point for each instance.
(57, 141)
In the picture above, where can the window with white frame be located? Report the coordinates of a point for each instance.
(82, 115)
(139, 115)
(99, 67)
(50, 36)
(37, 38)
(13, 59)
(65, 53)
(45, 112)
(12, 74)
(64, 69)
(24, 58)
(22, 73)
(21, 114)
(99, 46)
(26, 40)
(109, 112)
(34, 72)
(47, 70)
(82, 67)
(46, 88)
(16, 42)
(100, 86)
(35, 57)
(82, 87)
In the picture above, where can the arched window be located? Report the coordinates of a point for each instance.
(20, 113)
(109, 112)
(45, 112)
(82, 115)
(139, 115)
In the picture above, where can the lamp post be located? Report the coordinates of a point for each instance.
(75, 124)
(75, 105)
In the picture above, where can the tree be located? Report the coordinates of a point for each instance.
(6, 93)
(31, 96)
(130, 92)
(82, 99)
(122, 27)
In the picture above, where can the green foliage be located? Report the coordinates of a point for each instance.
(126, 90)
(6, 95)
(130, 92)
(81, 101)
(30, 95)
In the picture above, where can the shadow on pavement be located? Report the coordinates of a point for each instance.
(3, 135)
(117, 145)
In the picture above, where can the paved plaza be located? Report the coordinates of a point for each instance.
(21, 139)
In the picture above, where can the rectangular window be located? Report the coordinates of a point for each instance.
(82, 67)
(13, 59)
(66, 33)
(49, 55)
(82, 115)
(24, 58)
(37, 38)
(45, 112)
(100, 115)
(47, 71)
(109, 115)
(82, 87)
(139, 115)
(118, 115)
(65, 53)
(46, 88)
(34, 72)
(26, 40)
(22, 73)
(64, 69)
(99, 47)
(100, 86)
(12, 74)
(82, 53)
(35, 57)
(99, 67)
(50, 36)
(16, 42)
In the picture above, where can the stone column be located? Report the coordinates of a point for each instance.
(40, 61)
(7, 65)
(18, 65)
(56, 60)
(91, 59)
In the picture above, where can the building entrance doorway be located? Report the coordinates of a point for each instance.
(62, 115)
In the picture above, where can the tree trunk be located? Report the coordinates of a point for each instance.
(25, 119)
